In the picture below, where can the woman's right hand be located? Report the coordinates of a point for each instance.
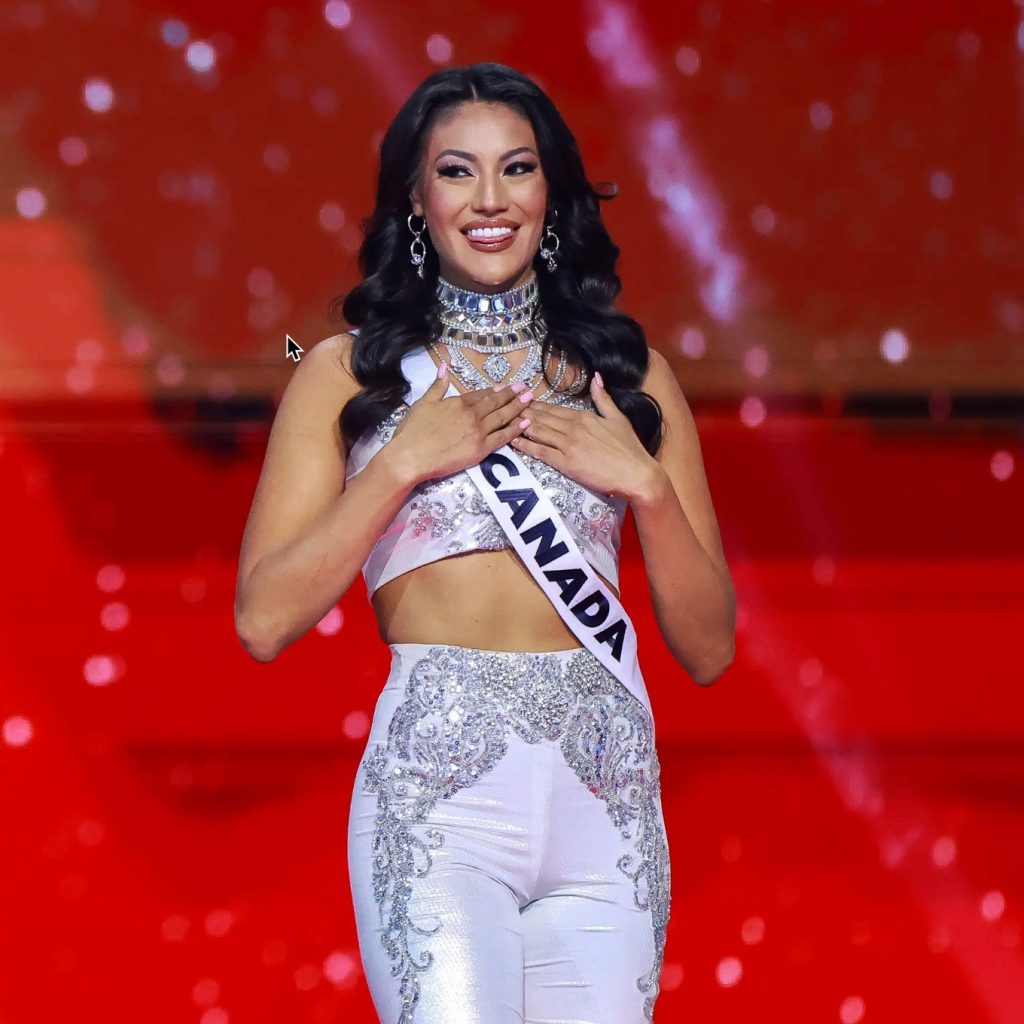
(442, 435)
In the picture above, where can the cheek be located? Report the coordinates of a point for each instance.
(441, 207)
(534, 205)
(536, 201)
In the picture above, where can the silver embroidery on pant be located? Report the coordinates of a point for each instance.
(451, 729)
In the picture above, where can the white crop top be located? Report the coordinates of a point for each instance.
(447, 515)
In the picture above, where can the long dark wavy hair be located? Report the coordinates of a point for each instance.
(395, 310)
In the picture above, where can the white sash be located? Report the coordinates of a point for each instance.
(540, 537)
(548, 550)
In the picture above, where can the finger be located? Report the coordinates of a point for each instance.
(486, 400)
(564, 419)
(604, 402)
(513, 407)
(561, 413)
(508, 433)
(552, 456)
(439, 387)
(546, 433)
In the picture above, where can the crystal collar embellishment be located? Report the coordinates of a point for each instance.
(485, 313)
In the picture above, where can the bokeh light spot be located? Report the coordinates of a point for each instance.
(73, 150)
(692, 342)
(820, 115)
(671, 976)
(992, 905)
(763, 219)
(337, 14)
(940, 184)
(851, 1010)
(688, 60)
(356, 725)
(341, 968)
(1002, 465)
(894, 346)
(752, 411)
(201, 56)
(30, 203)
(174, 32)
(17, 731)
(728, 971)
(206, 992)
(756, 360)
(100, 670)
(98, 95)
(110, 579)
(944, 851)
(440, 48)
(218, 922)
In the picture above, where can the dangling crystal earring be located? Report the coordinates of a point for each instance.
(417, 258)
(545, 252)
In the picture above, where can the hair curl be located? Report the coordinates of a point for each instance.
(395, 309)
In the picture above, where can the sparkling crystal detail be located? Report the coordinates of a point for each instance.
(496, 367)
(605, 735)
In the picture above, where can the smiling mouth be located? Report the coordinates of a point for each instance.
(489, 234)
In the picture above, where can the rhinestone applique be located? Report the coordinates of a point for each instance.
(387, 426)
(451, 729)
(568, 497)
(442, 506)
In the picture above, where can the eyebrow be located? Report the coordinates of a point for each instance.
(469, 156)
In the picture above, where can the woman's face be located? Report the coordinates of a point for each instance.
(481, 167)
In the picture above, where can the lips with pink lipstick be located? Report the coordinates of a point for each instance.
(490, 235)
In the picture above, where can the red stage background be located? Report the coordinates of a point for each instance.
(821, 219)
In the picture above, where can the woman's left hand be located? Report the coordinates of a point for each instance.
(601, 452)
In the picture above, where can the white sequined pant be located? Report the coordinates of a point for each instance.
(506, 842)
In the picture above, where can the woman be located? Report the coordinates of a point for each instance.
(506, 843)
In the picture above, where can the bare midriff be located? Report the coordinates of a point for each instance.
(484, 599)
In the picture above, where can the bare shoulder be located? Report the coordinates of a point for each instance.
(661, 384)
(304, 465)
(318, 389)
(333, 357)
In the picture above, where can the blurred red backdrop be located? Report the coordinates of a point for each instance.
(821, 220)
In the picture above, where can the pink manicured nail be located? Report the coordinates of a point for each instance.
(518, 387)
(498, 387)
(523, 424)
(526, 397)
(442, 371)
(599, 379)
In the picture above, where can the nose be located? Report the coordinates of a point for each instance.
(490, 195)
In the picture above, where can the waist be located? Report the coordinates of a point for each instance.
(542, 686)
(477, 599)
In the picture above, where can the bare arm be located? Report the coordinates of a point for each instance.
(686, 569)
(691, 588)
(308, 533)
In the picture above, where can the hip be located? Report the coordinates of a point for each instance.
(450, 691)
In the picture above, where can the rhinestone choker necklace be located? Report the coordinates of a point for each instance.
(502, 320)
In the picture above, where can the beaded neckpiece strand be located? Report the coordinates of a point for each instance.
(493, 324)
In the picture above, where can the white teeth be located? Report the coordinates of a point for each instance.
(489, 232)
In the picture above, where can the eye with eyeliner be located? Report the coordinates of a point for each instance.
(450, 170)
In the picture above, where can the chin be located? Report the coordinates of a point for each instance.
(492, 273)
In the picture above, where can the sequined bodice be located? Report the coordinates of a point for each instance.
(447, 515)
